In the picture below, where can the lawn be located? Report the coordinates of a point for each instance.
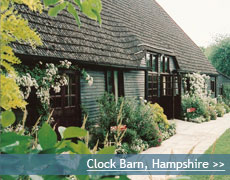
(222, 147)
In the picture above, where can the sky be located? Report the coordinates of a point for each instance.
(202, 20)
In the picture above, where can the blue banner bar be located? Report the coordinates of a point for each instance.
(141, 164)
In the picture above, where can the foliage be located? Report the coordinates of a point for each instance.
(14, 28)
(151, 134)
(136, 115)
(167, 132)
(226, 93)
(197, 97)
(226, 107)
(46, 142)
(198, 84)
(45, 78)
(91, 8)
(220, 111)
(10, 94)
(159, 116)
(219, 54)
(192, 101)
(212, 112)
(137, 146)
(206, 107)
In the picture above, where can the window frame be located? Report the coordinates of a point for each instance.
(119, 91)
(212, 86)
(150, 62)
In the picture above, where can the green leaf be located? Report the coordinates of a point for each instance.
(79, 148)
(47, 137)
(55, 150)
(124, 177)
(83, 177)
(114, 178)
(107, 150)
(73, 11)
(13, 143)
(98, 16)
(50, 2)
(73, 132)
(8, 118)
(54, 177)
(8, 177)
(55, 10)
(92, 8)
(78, 2)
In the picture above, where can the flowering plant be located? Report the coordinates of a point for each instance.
(120, 127)
(198, 98)
(44, 78)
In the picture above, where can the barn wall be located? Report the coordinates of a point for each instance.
(134, 84)
(220, 81)
(143, 62)
(90, 94)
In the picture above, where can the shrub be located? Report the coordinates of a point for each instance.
(158, 115)
(130, 135)
(198, 119)
(226, 107)
(220, 110)
(167, 133)
(137, 146)
(192, 102)
(154, 138)
(207, 115)
(135, 114)
(226, 93)
(212, 113)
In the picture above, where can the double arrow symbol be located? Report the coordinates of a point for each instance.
(216, 164)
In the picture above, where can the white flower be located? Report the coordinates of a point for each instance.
(66, 64)
(88, 77)
(57, 89)
(90, 82)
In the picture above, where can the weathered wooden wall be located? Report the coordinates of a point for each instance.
(134, 84)
(90, 94)
(220, 81)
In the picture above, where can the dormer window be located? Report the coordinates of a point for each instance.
(165, 63)
(152, 61)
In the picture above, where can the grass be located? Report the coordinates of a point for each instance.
(221, 146)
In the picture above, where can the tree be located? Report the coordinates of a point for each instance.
(219, 54)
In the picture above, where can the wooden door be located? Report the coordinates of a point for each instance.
(66, 104)
(153, 87)
(170, 95)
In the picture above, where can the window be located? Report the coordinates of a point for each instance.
(166, 85)
(165, 61)
(115, 83)
(152, 62)
(212, 86)
(67, 95)
(152, 86)
(221, 89)
(66, 103)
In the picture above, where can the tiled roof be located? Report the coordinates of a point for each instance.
(128, 27)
